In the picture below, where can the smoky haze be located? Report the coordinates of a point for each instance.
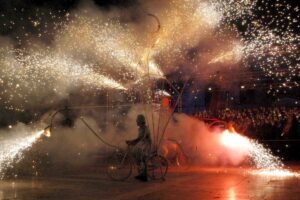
(92, 48)
(49, 56)
(76, 148)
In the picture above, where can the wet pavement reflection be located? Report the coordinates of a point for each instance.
(195, 183)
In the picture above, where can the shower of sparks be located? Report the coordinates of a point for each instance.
(27, 77)
(12, 148)
(270, 43)
(105, 51)
(232, 56)
(234, 10)
(261, 156)
(276, 173)
(102, 53)
(113, 44)
(208, 13)
(154, 70)
(265, 33)
(92, 50)
(116, 46)
(266, 163)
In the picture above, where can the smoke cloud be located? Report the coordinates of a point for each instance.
(95, 49)
(202, 145)
(87, 52)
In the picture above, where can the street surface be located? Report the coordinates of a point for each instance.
(195, 183)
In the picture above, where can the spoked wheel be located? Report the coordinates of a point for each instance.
(157, 167)
(119, 166)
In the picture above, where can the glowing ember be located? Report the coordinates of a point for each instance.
(47, 132)
(12, 148)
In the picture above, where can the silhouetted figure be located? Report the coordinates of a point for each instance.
(144, 142)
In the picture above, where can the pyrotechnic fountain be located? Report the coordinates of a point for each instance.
(109, 52)
(266, 163)
(13, 146)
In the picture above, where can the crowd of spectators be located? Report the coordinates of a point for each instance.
(269, 123)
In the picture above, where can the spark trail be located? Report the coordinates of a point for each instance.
(28, 77)
(266, 163)
(12, 147)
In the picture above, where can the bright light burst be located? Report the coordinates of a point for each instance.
(116, 46)
(234, 140)
(13, 146)
(94, 51)
(265, 33)
(28, 77)
(208, 13)
(232, 56)
(110, 52)
(262, 157)
(267, 164)
(102, 53)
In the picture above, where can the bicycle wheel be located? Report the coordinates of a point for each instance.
(157, 167)
(119, 166)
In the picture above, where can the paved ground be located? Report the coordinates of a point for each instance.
(196, 183)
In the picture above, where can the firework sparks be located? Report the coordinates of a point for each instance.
(117, 46)
(208, 13)
(26, 75)
(276, 173)
(12, 148)
(107, 45)
(93, 51)
(261, 156)
(232, 56)
(267, 164)
(154, 70)
(270, 43)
